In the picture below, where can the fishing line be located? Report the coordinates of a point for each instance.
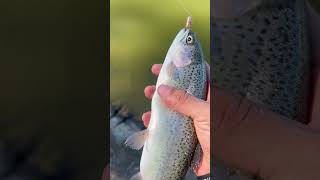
(184, 7)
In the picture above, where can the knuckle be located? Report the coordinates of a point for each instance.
(180, 98)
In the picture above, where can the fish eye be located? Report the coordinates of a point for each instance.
(189, 39)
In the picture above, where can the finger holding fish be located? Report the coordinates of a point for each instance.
(149, 91)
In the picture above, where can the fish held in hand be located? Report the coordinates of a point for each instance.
(170, 141)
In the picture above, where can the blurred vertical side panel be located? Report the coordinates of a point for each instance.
(53, 94)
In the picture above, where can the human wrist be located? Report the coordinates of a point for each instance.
(249, 137)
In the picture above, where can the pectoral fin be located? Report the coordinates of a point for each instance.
(137, 140)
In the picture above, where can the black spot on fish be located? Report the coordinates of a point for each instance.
(275, 17)
(245, 84)
(288, 26)
(258, 86)
(279, 73)
(233, 69)
(242, 35)
(288, 67)
(259, 38)
(263, 31)
(272, 65)
(285, 38)
(239, 26)
(239, 50)
(272, 39)
(267, 21)
(280, 29)
(258, 52)
(252, 61)
(280, 7)
(253, 17)
(250, 29)
(281, 60)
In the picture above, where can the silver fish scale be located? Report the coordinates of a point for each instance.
(264, 56)
(191, 80)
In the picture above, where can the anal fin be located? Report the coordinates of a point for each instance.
(137, 140)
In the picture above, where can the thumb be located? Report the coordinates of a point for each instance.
(182, 102)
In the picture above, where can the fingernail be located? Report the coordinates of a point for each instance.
(165, 90)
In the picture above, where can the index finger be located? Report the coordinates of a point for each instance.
(155, 69)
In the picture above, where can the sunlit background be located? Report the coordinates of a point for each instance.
(141, 33)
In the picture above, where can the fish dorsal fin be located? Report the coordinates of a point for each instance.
(137, 140)
(232, 8)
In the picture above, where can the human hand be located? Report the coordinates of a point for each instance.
(251, 138)
(184, 103)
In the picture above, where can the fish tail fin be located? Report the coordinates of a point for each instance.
(137, 140)
(136, 177)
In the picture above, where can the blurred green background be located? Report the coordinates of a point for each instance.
(141, 33)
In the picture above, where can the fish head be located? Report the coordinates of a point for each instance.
(185, 54)
(185, 49)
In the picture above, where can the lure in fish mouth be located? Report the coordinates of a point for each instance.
(170, 141)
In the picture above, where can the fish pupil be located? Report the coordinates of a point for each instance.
(189, 39)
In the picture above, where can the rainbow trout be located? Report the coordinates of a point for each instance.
(260, 51)
(170, 140)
